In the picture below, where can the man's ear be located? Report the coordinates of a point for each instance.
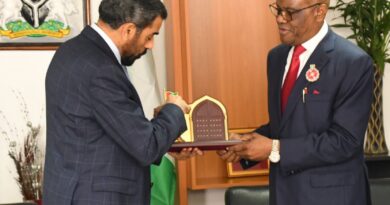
(321, 12)
(128, 30)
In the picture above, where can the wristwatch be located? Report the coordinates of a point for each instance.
(274, 157)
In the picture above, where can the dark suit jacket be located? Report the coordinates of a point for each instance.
(321, 139)
(99, 143)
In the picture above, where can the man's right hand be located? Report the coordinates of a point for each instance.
(186, 153)
(228, 155)
(178, 100)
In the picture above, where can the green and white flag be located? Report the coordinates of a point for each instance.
(148, 76)
(164, 180)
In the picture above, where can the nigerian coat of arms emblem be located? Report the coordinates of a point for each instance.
(36, 18)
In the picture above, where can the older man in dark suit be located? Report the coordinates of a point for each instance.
(319, 96)
(99, 143)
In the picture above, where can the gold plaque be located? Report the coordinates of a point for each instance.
(206, 127)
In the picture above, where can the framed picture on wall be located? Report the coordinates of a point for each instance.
(235, 169)
(41, 24)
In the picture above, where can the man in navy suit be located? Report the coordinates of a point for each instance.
(319, 96)
(99, 143)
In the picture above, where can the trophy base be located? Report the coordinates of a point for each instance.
(205, 145)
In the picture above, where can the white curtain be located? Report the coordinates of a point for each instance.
(148, 75)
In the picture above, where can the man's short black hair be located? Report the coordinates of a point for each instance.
(140, 12)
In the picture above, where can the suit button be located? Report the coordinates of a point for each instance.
(292, 172)
(151, 184)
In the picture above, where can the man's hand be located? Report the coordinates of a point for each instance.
(228, 155)
(257, 148)
(178, 100)
(186, 153)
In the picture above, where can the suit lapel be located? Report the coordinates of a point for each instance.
(320, 58)
(281, 65)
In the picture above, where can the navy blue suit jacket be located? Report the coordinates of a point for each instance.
(99, 143)
(321, 138)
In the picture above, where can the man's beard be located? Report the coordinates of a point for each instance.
(129, 60)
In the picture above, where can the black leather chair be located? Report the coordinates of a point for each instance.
(380, 191)
(258, 195)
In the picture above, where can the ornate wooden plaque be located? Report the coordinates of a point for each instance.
(207, 126)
